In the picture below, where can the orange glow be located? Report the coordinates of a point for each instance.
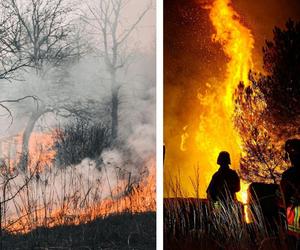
(142, 198)
(237, 43)
(215, 132)
(41, 150)
(242, 196)
(73, 208)
(184, 137)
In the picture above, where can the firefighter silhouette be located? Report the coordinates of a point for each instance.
(290, 186)
(225, 182)
(290, 181)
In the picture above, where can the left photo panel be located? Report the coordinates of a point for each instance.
(78, 124)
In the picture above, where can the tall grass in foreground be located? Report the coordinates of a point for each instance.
(67, 196)
(74, 189)
(195, 223)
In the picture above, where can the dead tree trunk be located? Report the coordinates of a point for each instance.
(35, 116)
(114, 106)
(108, 16)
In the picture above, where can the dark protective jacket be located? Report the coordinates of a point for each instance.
(223, 185)
(290, 185)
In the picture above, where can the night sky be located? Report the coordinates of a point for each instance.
(191, 59)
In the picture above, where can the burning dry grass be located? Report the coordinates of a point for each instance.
(52, 193)
(71, 196)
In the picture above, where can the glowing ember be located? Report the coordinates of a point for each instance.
(242, 196)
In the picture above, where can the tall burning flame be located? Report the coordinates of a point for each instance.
(237, 43)
(216, 131)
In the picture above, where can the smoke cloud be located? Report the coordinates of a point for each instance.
(86, 80)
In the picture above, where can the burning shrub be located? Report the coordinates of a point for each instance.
(262, 159)
(266, 111)
(79, 140)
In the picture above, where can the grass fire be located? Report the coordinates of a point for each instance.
(77, 134)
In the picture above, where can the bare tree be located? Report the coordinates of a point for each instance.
(106, 18)
(12, 59)
(46, 35)
(46, 29)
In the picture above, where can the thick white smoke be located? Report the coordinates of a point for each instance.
(84, 80)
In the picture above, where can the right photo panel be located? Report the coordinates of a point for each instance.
(231, 124)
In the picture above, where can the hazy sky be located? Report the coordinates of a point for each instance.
(144, 34)
(91, 73)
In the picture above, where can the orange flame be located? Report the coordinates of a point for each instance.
(237, 43)
(142, 198)
(41, 151)
(73, 209)
(216, 131)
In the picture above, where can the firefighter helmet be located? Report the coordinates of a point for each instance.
(223, 158)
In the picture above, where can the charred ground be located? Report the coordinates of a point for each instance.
(120, 231)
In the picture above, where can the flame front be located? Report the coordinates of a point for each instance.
(237, 43)
(142, 198)
(61, 196)
(216, 131)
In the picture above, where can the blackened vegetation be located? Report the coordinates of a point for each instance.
(125, 231)
(79, 140)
